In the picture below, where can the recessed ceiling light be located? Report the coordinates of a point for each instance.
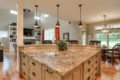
(13, 12)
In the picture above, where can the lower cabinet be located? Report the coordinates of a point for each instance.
(92, 68)
(33, 70)
(48, 74)
(25, 66)
(76, 74)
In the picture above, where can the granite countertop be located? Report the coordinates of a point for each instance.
(61, 62)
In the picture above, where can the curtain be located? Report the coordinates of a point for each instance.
(43, 35)
(57, 34)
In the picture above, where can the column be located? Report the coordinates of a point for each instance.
(20, 16)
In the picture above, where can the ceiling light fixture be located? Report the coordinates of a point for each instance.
(58, 24)
(105, 30)
(80, 23)
(36, 23)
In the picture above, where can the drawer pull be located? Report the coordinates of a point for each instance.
(96, 56)
(89, 70)
(23, 56)
(96, 68)
(49, 71)
(89, 62)
(96, 61)
(33, 63)
(96, 74)
(24, 64)
(33, 74)
(89, 78)
(24, 73)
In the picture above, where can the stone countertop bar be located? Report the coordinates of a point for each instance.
(62, 62)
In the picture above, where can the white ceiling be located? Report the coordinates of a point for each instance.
(92, 10)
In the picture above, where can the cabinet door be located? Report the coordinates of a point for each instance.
(50, 75)
(35, 70)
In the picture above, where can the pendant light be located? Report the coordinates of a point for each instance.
(36, 23)
(58, 24)
(80, 23)
(105, 30)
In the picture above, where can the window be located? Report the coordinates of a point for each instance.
(108, 39)
(50, 34)
(84, 37)
(114, 38)
(102, 37)
(3, 34)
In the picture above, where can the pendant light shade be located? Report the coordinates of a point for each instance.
(36, 23)
(80, 23)
(105, 30)
(58, 24)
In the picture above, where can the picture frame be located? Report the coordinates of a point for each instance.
(66, 36)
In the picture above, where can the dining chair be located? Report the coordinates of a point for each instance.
(115, 53)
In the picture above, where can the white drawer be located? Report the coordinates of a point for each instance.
(24, 58)
(25, 68)
(96, 62)
(89, 77)
(34, 64)
(35, 74)
(96, 57)
(49, 74)
(95, 75)
(88, 63)
(88, 70)
(25, 64)
(25, 75)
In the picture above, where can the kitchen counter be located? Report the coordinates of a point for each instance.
(64, 62)
(61, 62)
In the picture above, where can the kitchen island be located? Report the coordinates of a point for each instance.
(45, 62)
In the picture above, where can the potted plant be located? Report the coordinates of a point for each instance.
(13, 24)
(62, 45)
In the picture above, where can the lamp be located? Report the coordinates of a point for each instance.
(105, 30)
(80, 23)
(58, 24)
(36, 23)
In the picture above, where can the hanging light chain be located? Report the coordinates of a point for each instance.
(36, 11)
(105, 19)
(58, 15)
(80, 5)
(36, 24)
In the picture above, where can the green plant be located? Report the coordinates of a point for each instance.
(13, 24)
(62, 45)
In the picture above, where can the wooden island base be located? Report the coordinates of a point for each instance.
(37, 64)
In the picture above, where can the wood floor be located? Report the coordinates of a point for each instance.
(8, 69)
